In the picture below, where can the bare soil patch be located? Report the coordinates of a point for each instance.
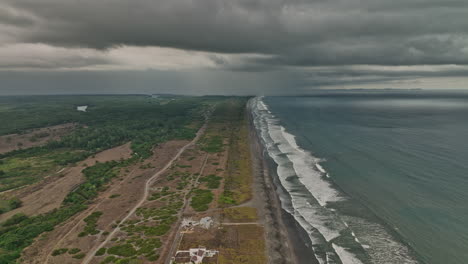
(114, 203)
(49, 193)
(167, 192)
(35, 137)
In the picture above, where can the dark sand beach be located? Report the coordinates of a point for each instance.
(286, 241)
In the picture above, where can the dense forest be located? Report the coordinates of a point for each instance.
(109, 121)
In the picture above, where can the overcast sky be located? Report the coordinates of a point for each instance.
(231, 46)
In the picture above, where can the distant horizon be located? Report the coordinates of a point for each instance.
(312, 92)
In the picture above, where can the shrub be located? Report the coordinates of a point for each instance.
(153, 257)
(125, 250)
(15, 219)
(109, 259)
(157, 230)
(101, 251)
(213, 144)
(79, 256)
(91, 224)
(59, 251)
(201, 199)
(226, 200)
(212, 181)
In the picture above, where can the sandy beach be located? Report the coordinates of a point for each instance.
(285, 240)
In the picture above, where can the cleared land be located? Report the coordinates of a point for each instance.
(48, 190)
(49, 194)
(33, 138)
(225, 186)
(127, 186)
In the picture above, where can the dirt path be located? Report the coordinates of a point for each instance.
(92, 252)
(78, 222)
(48, 194)
(177, 238)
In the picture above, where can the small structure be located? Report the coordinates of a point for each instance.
(189, 224)
(82, 108)
(193, 255)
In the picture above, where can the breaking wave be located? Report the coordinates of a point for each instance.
(311, 199)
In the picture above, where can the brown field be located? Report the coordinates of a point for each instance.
(49, 193)
(183, 170)
(33, 138)
(121, 195)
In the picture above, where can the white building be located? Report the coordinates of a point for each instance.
(193, 255)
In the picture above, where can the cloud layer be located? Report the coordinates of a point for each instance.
(315, 42)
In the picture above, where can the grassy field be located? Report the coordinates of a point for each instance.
(229, 127)
(225, 183)
(242, 244)
(239, 171)
(27, 168)
(240, 214)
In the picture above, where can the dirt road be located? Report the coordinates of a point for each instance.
(92, 252)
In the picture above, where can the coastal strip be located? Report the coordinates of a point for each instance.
(284, 237)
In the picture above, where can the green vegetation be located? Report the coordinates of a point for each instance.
(114, 196)
(226, 200)
(213, 144)
(79, 256)
(143, 234)
(124, 250)
(96, 177)
(148, 246)
(229, 124)
(212, 181)
(19, 231)
(109, 122)
(8, 205)
(201, 199)
(238, 180)
(91, 224)
(109, 259)
(101, 251)
(26, 167)
(59, 251)
(241, 214)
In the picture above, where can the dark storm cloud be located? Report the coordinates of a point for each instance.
(216, 45)
(335, 32)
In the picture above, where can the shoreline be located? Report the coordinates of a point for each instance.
(283, 236)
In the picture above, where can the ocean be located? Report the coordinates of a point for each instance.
(376, 177)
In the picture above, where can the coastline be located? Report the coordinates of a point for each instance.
(343, 230)
(286, 241)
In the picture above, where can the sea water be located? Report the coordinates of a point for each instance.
(373, 177)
